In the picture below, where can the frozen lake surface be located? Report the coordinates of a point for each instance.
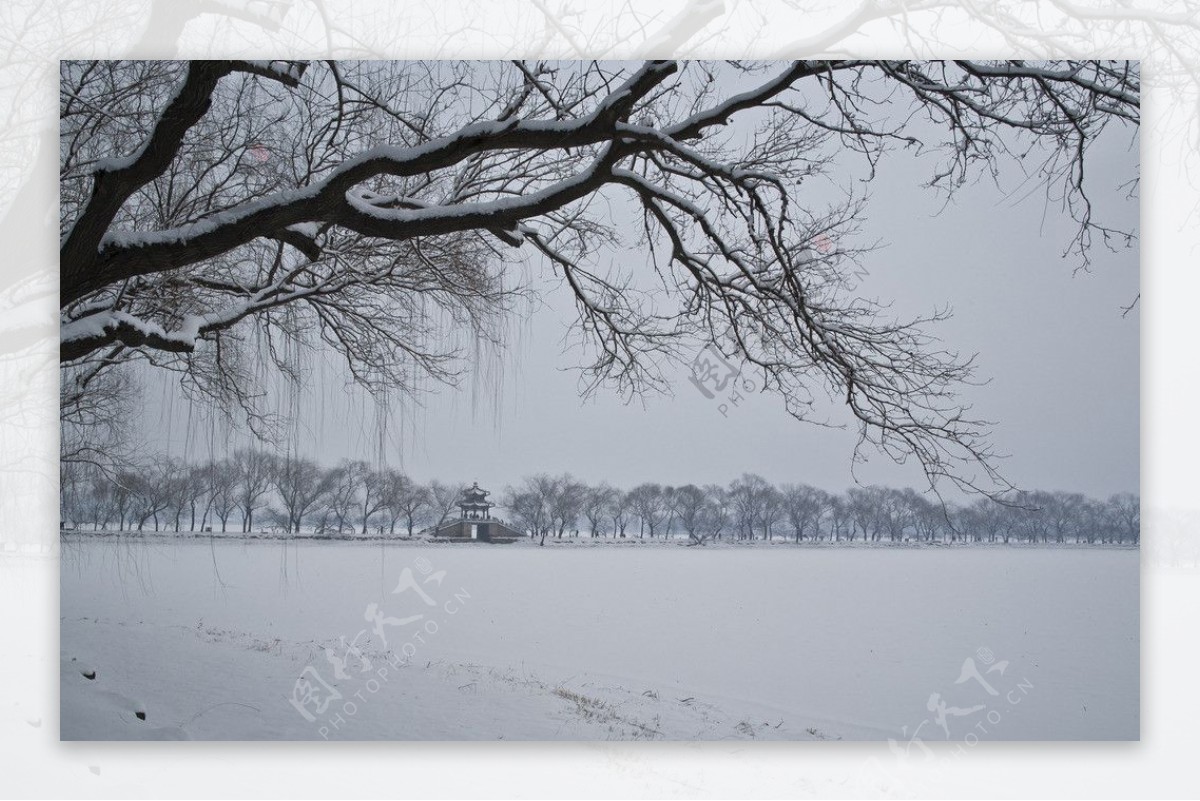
(167, 638)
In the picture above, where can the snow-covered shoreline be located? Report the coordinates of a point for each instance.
(566, 542)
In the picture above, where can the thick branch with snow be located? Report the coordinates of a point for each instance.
(378, 208)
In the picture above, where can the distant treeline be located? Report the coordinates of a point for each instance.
(259, 491)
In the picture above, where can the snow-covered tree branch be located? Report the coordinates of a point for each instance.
(218, 214)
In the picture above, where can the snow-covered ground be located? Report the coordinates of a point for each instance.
(165, 638)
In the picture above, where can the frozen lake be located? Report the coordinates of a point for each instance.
(621, 641)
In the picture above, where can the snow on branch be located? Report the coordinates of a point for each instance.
(379, 208)
(287, 73)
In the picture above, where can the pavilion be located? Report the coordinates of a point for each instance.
(475, 522)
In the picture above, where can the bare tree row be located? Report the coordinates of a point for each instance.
(255, 490)
(751, 508)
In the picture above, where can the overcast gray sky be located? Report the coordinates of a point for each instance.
(1060, 358)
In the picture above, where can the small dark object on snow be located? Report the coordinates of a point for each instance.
(90, 675)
